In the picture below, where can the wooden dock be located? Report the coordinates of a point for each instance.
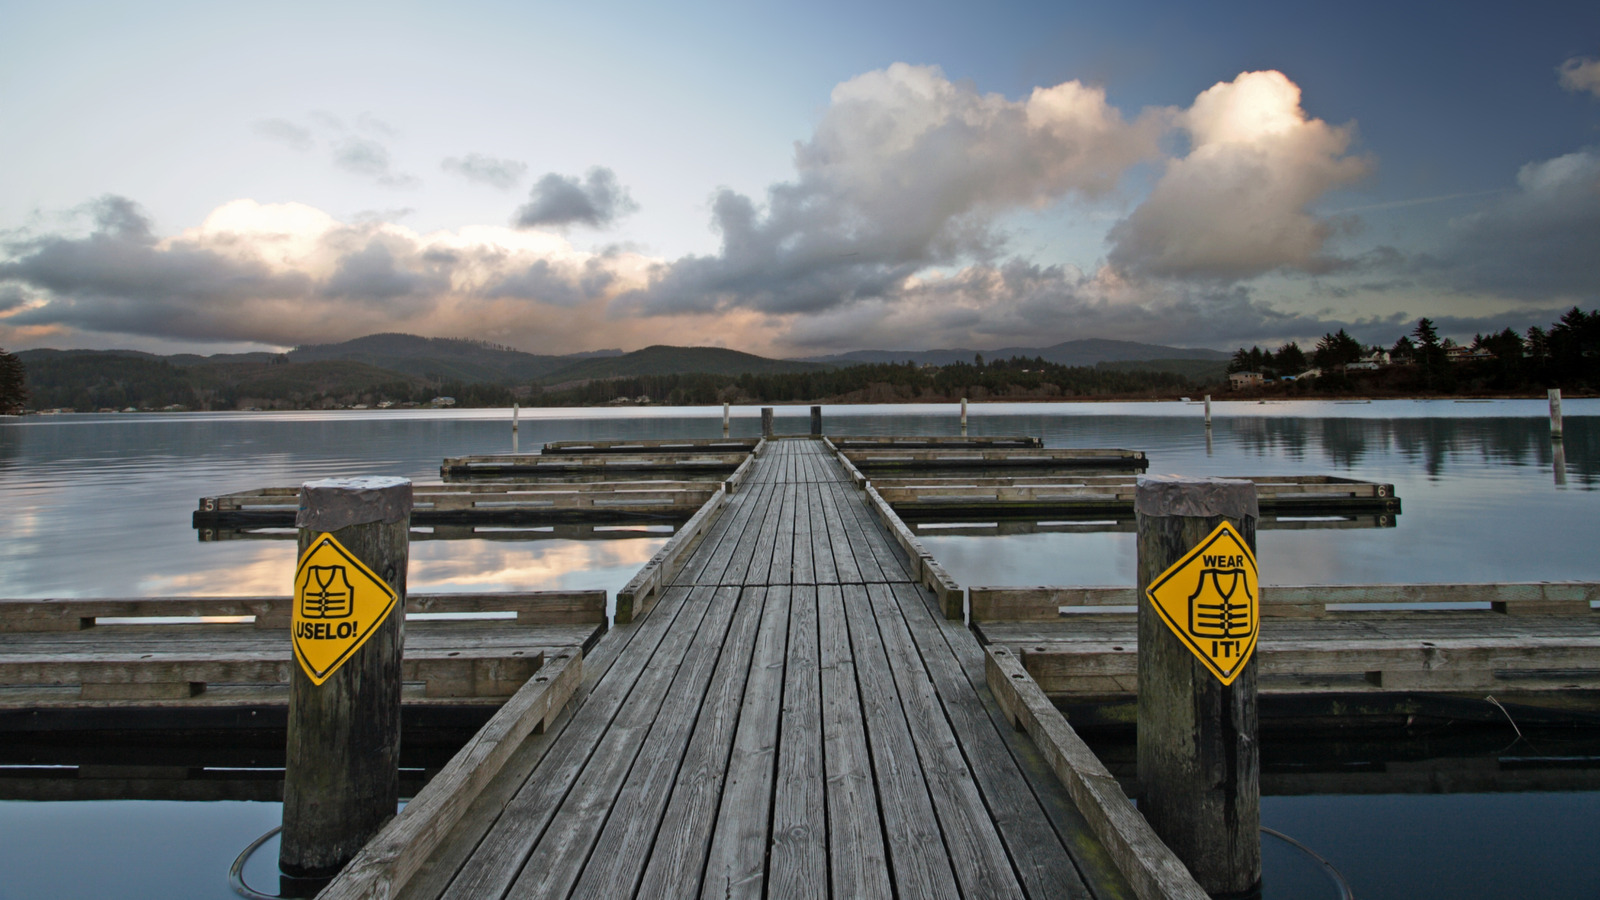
(207, 660)
(791, 714)
(480, 503)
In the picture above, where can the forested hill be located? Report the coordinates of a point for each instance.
(397, 369)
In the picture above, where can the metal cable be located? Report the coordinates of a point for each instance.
(1338, 880)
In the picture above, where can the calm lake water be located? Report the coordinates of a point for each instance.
(99, 506)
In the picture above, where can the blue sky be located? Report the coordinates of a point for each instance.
(792, 179)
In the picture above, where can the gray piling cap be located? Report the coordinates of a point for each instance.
(330, 504)
(1178, 495)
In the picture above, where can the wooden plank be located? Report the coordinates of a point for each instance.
(1098, 870)
(1037, 854)
(781, 567)
(799, 850)
(736, 865)
(683, 761)
(859, 864)
(895, 564)
(912, 827)
(824, 571)
(608, 726)
(754, 538)
(387, 862)
(769, 538)
(850, 568)
(648, 737)
(802, 567)
(436, 871)
(636, 596)
(1149, 866)
(710, 559)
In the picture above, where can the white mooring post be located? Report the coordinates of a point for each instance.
(1555, 413)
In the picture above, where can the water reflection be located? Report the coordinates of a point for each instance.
(99, 505)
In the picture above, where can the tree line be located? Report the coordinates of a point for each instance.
(1016, 378)
(1566, 355)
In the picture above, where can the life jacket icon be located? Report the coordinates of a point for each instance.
(327, 593)
(1220, 606)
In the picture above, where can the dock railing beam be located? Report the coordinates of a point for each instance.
(1199, 762)
(342, 770)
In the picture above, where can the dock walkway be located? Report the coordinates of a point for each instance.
(793, 717)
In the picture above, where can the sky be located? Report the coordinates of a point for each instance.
(793, 179)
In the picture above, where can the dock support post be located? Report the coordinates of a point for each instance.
(342, 770)
(1555, 414)
(963, 417)
(1208, 410)
(816, 421)
(725, 419)
(1199, 762)
(514, 412)
(766, 421)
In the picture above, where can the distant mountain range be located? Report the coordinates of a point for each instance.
(1087, 352)
(410, 367)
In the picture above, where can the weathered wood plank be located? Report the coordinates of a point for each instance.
(1149, 866)
(1041, 861)
(912, 827)
(389, 860)
(682, 761)
(859, 864)
(736, 865)
(799, 851)
(608, 727)
(647, 737)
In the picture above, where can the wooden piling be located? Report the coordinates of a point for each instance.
(816, 421)
(1208, 410)
(726, 418)
(1555, 413)
(514, 428)
(341, 778)
(766, 421)
(963, 414)
(1199, 762)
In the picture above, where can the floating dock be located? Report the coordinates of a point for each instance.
(226, 661)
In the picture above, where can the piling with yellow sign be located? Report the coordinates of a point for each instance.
(341, 779)
(1199, 622)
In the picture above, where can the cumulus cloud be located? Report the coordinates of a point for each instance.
(1237, 204)
(288, 273)
(504, 174)
(905, 170)
(1581, 75)
(1538, 240)
(561, 200)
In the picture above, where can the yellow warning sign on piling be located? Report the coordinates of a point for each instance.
(1211, 599)
(338, 604)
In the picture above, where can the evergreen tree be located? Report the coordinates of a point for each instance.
(13, 384)
(1291, 360)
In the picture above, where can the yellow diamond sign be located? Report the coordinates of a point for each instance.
(338, 604)
(1211, 599)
